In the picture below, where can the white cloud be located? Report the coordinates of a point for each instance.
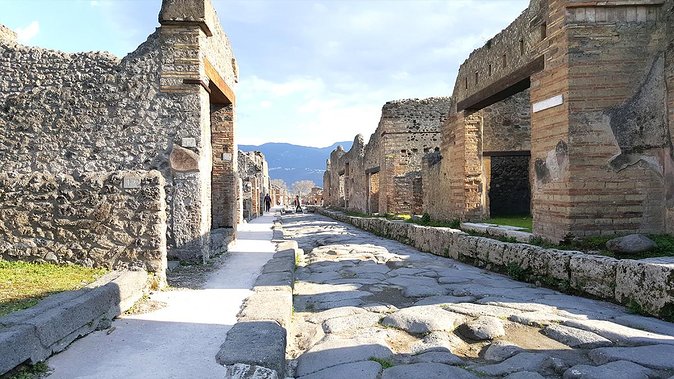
(27, 33)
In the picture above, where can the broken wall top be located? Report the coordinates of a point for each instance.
(7, 34)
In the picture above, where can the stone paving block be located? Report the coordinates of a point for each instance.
(257, 343)
(525, 375)
(483, 328)
(501, 350)
(520, 362)
(620, 334)
(647, 284)
(351, 323)
(357, 370)
(335, 351)
(594, 274)
(613, 370)
(427, 371)
(653, 356)
(423, 319)
(268, 306)
(575, 337)
(444, 357)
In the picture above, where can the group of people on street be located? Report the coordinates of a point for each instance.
(297, 203)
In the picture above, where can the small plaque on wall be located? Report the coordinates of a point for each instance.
(131, 182)
(189, 142)
(226, 157)
(548, 103)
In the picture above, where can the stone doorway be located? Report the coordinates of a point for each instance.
(509, 189)
(373, 192)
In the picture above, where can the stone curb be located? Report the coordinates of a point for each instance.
(256, 344)
(49, 327)
(646, 285)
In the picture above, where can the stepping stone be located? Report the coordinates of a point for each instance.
(483, 328)
(575, 337)
(438, 341)
(423, 319)
(364, 370)
(426, 371)
(520, 362)
(333, 351)
(613, 370)
(654, 356)
(501, 350)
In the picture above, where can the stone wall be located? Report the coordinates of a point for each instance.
(254, 174)
(646, 284)
(167, 106)
(384, 168)
(600, 136)
(113, 220)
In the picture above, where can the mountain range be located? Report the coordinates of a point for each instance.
(292, 163)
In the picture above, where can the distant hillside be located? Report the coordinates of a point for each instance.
(293, 162)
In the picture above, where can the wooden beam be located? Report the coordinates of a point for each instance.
(503, 88)
(221, 93)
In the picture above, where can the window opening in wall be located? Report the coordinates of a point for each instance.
(466, 83)
(490, 69)
(544, 30)
(476, 77)
(505, 63)
(521, 47)
(346, 169)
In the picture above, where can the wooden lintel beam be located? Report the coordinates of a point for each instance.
(220, 91)
(508, 85)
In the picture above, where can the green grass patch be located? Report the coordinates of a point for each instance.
(23, 284)
(521, 221)
(26, 371)
(383, 362)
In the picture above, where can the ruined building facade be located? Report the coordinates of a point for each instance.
(588, 88)
(254, 174)
(108, 161)
(384, 176)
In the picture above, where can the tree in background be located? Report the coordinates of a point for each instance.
(303, 187)
(279, 183)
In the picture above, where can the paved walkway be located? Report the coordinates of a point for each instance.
(182, 339)
(368, 307)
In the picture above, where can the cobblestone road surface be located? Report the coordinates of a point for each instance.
(368, 307)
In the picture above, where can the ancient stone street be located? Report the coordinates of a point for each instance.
(181, 339)
(368, 307)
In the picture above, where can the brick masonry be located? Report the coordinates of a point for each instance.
(601, 161)
(379, 177)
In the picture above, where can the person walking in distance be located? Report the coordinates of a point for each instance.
(267, 203)
(298, 207)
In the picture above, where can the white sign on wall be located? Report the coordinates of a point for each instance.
(548, 103)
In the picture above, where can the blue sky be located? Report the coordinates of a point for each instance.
(311, 72)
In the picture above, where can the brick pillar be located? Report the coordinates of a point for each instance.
(223, 177)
